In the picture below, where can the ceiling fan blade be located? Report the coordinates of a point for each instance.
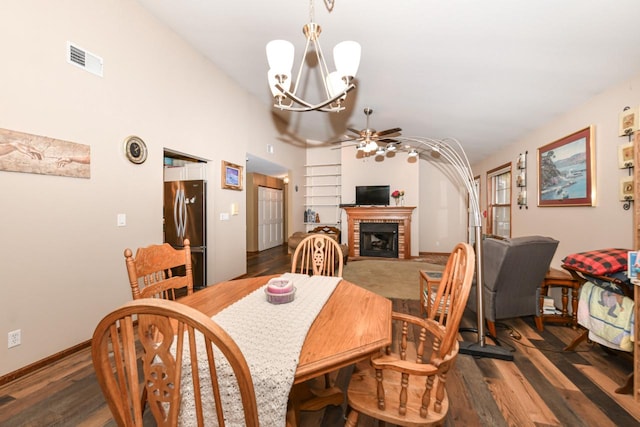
(389, 141)
(356, 131)
(389, 131)
(347, 139)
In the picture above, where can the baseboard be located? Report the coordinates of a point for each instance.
(434, 253)
(11, 376)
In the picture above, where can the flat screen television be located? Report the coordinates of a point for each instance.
(372, 195)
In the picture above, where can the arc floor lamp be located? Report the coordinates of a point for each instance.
(450, 150)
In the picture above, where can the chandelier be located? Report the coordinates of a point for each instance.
(337, 84)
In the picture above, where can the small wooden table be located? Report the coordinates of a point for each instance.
(563, 279)
(429, 280)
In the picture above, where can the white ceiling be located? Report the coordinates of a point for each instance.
(484, 72)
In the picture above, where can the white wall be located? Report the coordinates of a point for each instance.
(578, 229)
(443, 217)
(61, 261)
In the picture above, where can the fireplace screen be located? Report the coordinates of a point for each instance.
(379, 239)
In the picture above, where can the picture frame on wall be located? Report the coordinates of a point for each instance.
(566, 170)
(625, 156)
(628, 121)
(626, 188)
(231, 176)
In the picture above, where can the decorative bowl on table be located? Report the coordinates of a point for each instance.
(280, 291)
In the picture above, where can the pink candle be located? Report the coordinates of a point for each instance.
(279, 286)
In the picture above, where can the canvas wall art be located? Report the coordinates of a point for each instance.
(23, 152)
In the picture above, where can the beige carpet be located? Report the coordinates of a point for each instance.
(391, 279)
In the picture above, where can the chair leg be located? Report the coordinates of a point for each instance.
(539, 323)
(577, 340)
(352, 419)
(491, 326)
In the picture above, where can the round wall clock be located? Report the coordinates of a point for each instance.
(135, 149)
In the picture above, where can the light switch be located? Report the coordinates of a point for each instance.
(122, 220)
(224, 216)
(234, 209)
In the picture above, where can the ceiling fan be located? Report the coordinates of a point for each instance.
(367, 140)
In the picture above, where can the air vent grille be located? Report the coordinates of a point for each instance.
(84, 59)
(77, 56)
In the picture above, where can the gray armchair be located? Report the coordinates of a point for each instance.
(513, 272)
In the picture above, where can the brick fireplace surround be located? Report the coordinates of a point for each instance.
(393, 214)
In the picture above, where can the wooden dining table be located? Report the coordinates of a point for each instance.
(353, 324)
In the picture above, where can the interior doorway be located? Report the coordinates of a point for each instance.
(185, 209)
(267, 205)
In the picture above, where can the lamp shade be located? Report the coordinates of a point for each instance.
(280, 56)
(346, 56)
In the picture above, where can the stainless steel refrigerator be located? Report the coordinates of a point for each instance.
(185, 213)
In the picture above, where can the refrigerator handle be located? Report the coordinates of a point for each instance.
(179, 214)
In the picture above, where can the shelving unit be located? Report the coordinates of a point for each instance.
(322, 192)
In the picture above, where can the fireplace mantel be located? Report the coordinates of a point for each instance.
(398, 214)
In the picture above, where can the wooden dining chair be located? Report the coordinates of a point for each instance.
(160, 271)
(405, 383)
(186, 360)
(318, 254)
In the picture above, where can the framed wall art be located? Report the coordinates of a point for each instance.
(28, 153)
(628, 121)
(566, 171)
(626, 188)
(231, 176)
(625, 156)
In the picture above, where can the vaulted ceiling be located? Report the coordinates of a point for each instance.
(484, 72)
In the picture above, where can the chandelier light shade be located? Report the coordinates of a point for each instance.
(280, 55)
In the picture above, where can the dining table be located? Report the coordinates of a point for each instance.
(352, 325)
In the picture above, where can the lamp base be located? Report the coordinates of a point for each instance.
(477, 350)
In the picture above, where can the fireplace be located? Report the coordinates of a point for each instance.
(379, 239)
(397, 216)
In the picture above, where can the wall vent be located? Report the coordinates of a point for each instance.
(84, 59)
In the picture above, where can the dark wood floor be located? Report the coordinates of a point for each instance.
(543, 386)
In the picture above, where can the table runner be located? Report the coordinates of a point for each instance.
(270, 337)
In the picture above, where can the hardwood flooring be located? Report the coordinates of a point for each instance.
(543, 386)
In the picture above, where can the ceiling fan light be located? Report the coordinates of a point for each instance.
(380, 151)
(273, 80)
(361, 146)
(391, 147)
(346, 56)
(335, 83)
(413, 153)
(371, 146)
(280, 56)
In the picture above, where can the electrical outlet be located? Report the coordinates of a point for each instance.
(13, 338)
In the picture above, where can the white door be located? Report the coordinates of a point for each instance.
(270, 218)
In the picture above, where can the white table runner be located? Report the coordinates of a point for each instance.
(270, 337)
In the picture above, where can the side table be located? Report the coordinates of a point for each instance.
(563, 279)
(428, 281)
